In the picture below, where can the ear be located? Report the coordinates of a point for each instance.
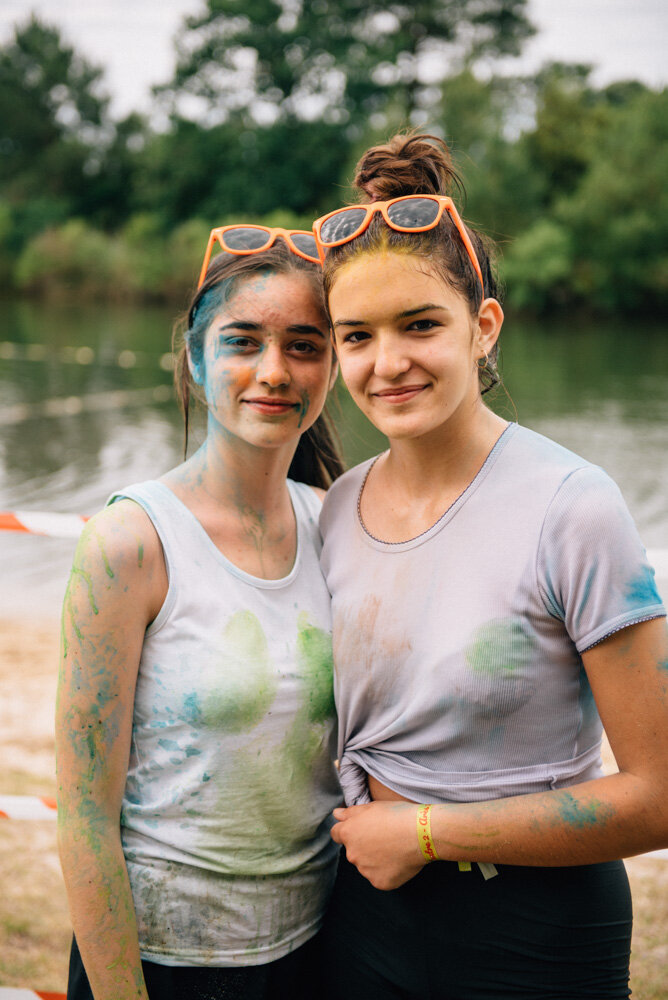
(490, 321)
(195, 369)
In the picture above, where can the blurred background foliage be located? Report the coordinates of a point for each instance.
(271, 103)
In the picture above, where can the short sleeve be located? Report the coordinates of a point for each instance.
(592, 569)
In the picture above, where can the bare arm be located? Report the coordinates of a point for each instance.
(611, 817)
(116, 587)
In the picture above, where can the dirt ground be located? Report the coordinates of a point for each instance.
(34, 923)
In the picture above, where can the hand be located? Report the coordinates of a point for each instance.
(380, 839)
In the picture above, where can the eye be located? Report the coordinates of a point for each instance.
(356, 337)
(423, 325)
(304, 347)
(236, 345)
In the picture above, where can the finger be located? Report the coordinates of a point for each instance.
(340, 813)
(335, 833)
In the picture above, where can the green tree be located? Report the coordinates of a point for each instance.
(618, 215)
(52, 125)
(50, 114)
(341, 61)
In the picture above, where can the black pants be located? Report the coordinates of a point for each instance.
(295, 977)
(527, 934)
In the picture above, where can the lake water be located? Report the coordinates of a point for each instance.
(86, 407)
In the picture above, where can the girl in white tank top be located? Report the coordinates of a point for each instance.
(195, 713)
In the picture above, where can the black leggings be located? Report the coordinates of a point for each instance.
(527, 934)
(295, 977)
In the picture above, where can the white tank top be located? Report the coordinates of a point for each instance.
(225, 817)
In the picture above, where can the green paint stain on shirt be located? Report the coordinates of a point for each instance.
(249, 686)
(499, 648)
(314, 652)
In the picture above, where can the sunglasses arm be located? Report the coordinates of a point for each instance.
(207, 257)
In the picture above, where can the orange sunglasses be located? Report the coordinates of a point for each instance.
(245, 239)
(412, 213)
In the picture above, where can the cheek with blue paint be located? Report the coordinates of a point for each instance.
(303, 406)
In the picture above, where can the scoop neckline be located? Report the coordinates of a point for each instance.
(254, 581)
(447, 514)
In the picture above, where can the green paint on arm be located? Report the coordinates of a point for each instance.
(86, 577)
(107, 568)
(140, 555)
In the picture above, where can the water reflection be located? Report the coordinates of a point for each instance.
(86, 407)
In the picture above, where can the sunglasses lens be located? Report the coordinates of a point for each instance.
(342, 225)
(413, 213)
(306, 243)
(245, 238)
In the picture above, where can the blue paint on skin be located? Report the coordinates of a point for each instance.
(582, 814)
(663, 666)
(642, 590)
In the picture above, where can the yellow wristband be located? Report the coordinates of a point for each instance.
(424, 836)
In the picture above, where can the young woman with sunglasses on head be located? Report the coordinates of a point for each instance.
(195, 710)
(491, 604)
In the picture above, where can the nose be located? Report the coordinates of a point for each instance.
(390, 360)
(272, 368)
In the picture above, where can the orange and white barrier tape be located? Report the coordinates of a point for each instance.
(33, 522)
(27, 807)
(16, 993)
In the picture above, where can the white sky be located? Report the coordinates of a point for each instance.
(133, 39)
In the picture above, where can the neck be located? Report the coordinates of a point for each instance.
(235, 476)
(451, 457)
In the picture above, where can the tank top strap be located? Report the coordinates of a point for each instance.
(305, 501)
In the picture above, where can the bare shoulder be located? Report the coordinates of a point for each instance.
(119, 559)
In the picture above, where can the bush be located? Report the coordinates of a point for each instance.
(538, 267)
(71, 258)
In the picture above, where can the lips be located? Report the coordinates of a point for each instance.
(400, 393)
(270, 404)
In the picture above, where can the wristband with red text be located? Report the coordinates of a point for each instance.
(425, 839)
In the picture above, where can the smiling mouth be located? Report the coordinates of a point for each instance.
(400, 394)
(270, 405)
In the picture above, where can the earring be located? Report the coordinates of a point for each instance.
(485, 362)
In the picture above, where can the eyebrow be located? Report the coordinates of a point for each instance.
(402, 315)
(303, 329)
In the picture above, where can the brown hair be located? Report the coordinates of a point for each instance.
(317, 460)
(420, 163)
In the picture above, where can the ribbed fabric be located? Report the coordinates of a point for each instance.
(458, 674)
(225, 818)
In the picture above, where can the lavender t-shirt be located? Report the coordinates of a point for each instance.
(458, 670)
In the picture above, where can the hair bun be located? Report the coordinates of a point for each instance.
(410, 163)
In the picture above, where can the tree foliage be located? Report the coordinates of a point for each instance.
(272, 102)
(49, 110)
(343, 62)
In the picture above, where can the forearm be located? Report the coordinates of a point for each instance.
(599, 820)
(596, 821)
(102, 911)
